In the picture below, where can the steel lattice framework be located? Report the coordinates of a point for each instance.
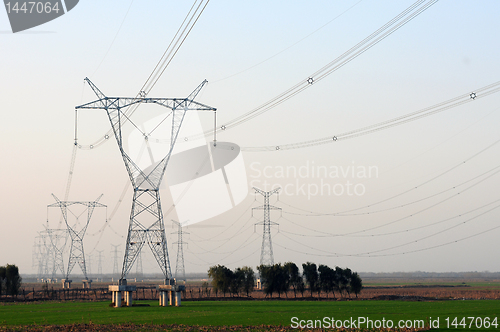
(58, 239)
(146, 200)
(41, 254)
(266, 253)
(180, 271)
(76, 253)
(99, 263)
(46, 256)
(138, 266)
(115, 259)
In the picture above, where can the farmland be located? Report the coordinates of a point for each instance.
(393, 300)
(236, 313)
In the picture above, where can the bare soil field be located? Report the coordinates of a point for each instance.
(379, 289)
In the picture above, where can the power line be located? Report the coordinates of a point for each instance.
(289, 47)
(407, 230)
(400, 205)
(417, 212)
(371, 253)
(387, 29)
(397, 121)
(448, 170)
(114, 38)
(182, 33)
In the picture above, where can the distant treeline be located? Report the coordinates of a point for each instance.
(280, 279)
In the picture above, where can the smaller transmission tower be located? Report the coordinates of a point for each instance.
(89, 261)
(47, 261)
(266, 253)
(115, 259)
(39, 255)
(138, 265)
(180, 272)
(99, 264)
(58, 239)
(76, 254)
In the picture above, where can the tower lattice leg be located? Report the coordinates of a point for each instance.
(146, 209)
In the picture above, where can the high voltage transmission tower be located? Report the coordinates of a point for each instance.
(146, 218)
(40, 255)
(138, 265)
(89, 261)
(115, 259)
(266, 253)
(77, 253)
(47, 258)
(58, 239)
(99, 264)
(180, 272)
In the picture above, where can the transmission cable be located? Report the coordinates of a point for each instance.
(424, 209)
(314, 214)
(370, 253)
(402, 205)
(326, 234)
(393, 25)
(443, 106)
(289, 47)
(356, 233)
(167, 57)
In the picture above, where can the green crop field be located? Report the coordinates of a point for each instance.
(246, 313)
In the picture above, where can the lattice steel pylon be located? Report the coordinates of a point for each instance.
(47, 258)
(115, 259)
(58, 239)
(146, 218)
(77, 253)
(266, 253)
(40, 254)
(180, 272)
(99, 263)
(138, 265)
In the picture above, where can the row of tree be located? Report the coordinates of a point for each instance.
(280, 279)
(239, 281)
(10, 280)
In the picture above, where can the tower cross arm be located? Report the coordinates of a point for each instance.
(122, 102)
(264, 193)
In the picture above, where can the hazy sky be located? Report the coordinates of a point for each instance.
(449, 50)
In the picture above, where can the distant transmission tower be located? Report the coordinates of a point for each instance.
(47, 259)
(146, 218)
(138, 265)
(58, 239)
(266, 253)
(89, 261)
(99, 263)
(180, 272)
(76, 253)
(115, 259)
(39, 255)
